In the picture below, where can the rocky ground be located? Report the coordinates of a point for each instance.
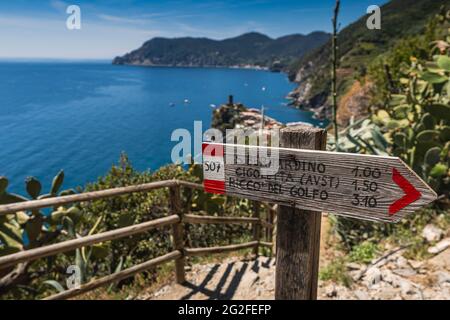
(395, 277)
(391, 276)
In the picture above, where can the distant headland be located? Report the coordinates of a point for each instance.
(251, 50)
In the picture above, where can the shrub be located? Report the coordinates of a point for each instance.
(336, 271)
(46, 275)
(413, 124)
(364, 252)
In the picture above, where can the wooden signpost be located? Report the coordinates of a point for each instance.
(362, 186)
(366, 187)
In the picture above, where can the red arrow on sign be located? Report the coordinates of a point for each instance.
(411, 193)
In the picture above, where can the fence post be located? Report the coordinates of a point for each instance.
(178, 233)
(274, 230)
(298, 231)
(256, 226)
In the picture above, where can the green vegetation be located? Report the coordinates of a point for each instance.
(413, 124)
(28, 230)
(409, 118)
(416, 118)
(417, 122)
(43, 277)
(359, 47)
(364, 252)
(408, 233)
(227, 117)
(253, 49)
(336, 271)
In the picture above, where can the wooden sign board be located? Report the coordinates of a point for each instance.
(374, 188)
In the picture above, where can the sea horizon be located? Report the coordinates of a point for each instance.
(110, 109)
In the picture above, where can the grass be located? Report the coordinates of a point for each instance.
(141, 283)
(364, 252)
(371, 243)
(336, 271)
(410, 232)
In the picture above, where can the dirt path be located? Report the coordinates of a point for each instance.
(392, 278)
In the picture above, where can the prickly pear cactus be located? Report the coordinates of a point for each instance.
(33, 225)
(417, 121)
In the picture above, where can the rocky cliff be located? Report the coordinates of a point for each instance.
(358, 48)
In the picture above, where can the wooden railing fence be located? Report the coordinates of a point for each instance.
(176, 220)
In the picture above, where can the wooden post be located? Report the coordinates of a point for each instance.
(256, 226)
(298, 231)
(274, 231)
(178, 233)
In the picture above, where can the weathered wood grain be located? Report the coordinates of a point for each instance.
(266, 244)
(274, 230)
(88, 196)
(256, 226)
(190, 185)
(196, 219)
(298, 232)
(178, 233)
(95, 195)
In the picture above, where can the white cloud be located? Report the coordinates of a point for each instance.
(117, 19)
(31, 37)
(102, 36)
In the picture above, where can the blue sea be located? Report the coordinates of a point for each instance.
(80, 116)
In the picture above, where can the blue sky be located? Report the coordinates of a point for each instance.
(37, 29)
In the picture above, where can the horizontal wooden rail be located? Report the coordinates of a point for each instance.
(195, 219)
(266, 244)
(213, 250)
(88, 196)
(266, 224)
(95, 195)
(174, 220)
(116, 276)
(190, 185)
(33, 254)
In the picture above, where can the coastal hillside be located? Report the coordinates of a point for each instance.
(250, 49)
(358, 48)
